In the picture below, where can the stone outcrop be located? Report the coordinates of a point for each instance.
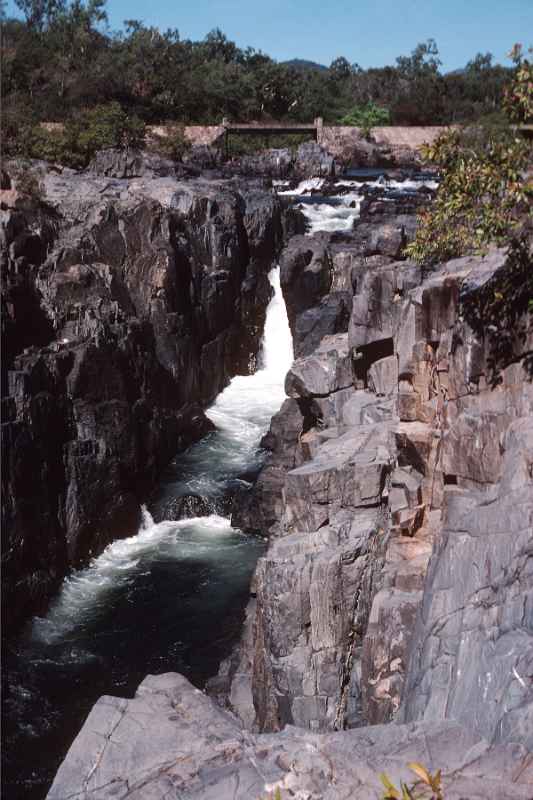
(383, 146)
(307, 160)
(402, 443)
(171, 741)
(127, 306)
(390, 618)
(349, 146)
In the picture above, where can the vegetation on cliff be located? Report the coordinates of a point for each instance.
(486, 190)
(484, 199)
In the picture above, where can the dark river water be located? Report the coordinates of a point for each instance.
(170, 598)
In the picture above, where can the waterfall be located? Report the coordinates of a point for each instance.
(277, 352)
(241, 413)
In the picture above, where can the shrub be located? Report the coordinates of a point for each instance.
(518, 97)
(367, 117)
(482, 197)
(252, 145)
(27, 181)
(174, 146)
(427, 787)
(81, 137)
(486, 186)
(101, 127)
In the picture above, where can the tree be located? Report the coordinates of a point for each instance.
(518, 100)
(480, 63)
(62, 59)
(423, 61)
(485, 193)
(340, 68)
(367, 117)
(40, 13)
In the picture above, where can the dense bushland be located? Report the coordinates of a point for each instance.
(61, 61)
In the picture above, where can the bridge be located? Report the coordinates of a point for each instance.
(336, 139)
(272, 128)
(268, 129)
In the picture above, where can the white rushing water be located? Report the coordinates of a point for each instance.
(241, 413)
(245, 407)
(339, 212)
(87, 590)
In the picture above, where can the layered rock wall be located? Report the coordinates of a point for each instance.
(398, 447)
(390, 619)
(127, 306)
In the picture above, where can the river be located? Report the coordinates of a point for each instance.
(170, 598)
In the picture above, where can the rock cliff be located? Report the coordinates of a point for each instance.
(390, 619)
(400, 449)
(128, 303)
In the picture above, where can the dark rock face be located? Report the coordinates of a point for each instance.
(128, 304)
(117, 163)
(309, 160)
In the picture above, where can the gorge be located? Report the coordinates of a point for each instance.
(390, 507)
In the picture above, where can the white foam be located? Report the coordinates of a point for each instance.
(338, 214)
(242, 413)
(385, 183)
(329, 217)
(305, 187)
(87, 588)
(245, 407)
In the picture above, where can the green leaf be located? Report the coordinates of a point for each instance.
(392, 791)
(421, 771)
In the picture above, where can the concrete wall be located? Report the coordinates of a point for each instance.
(344, 142)
(408, 136)
(204, 134)
(337, 138)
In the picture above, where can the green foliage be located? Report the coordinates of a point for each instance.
(75, 143)
(174, 145)
(276, 795)
(62, 60)
(101, 127)
(486, 188)
(518, 99)
(249, 145)
(367, 117)
(423, 61)
(427, 787)
(482, 197)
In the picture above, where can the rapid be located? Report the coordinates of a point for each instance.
(170, 598)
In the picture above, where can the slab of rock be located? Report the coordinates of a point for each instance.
(383, 376)
(171, 741)
(327, 370)
(473, 647)
(346, 472)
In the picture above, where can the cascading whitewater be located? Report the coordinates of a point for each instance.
(170, 598)
(241, 414)
(338, 212)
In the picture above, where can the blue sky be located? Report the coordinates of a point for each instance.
(370, 32)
